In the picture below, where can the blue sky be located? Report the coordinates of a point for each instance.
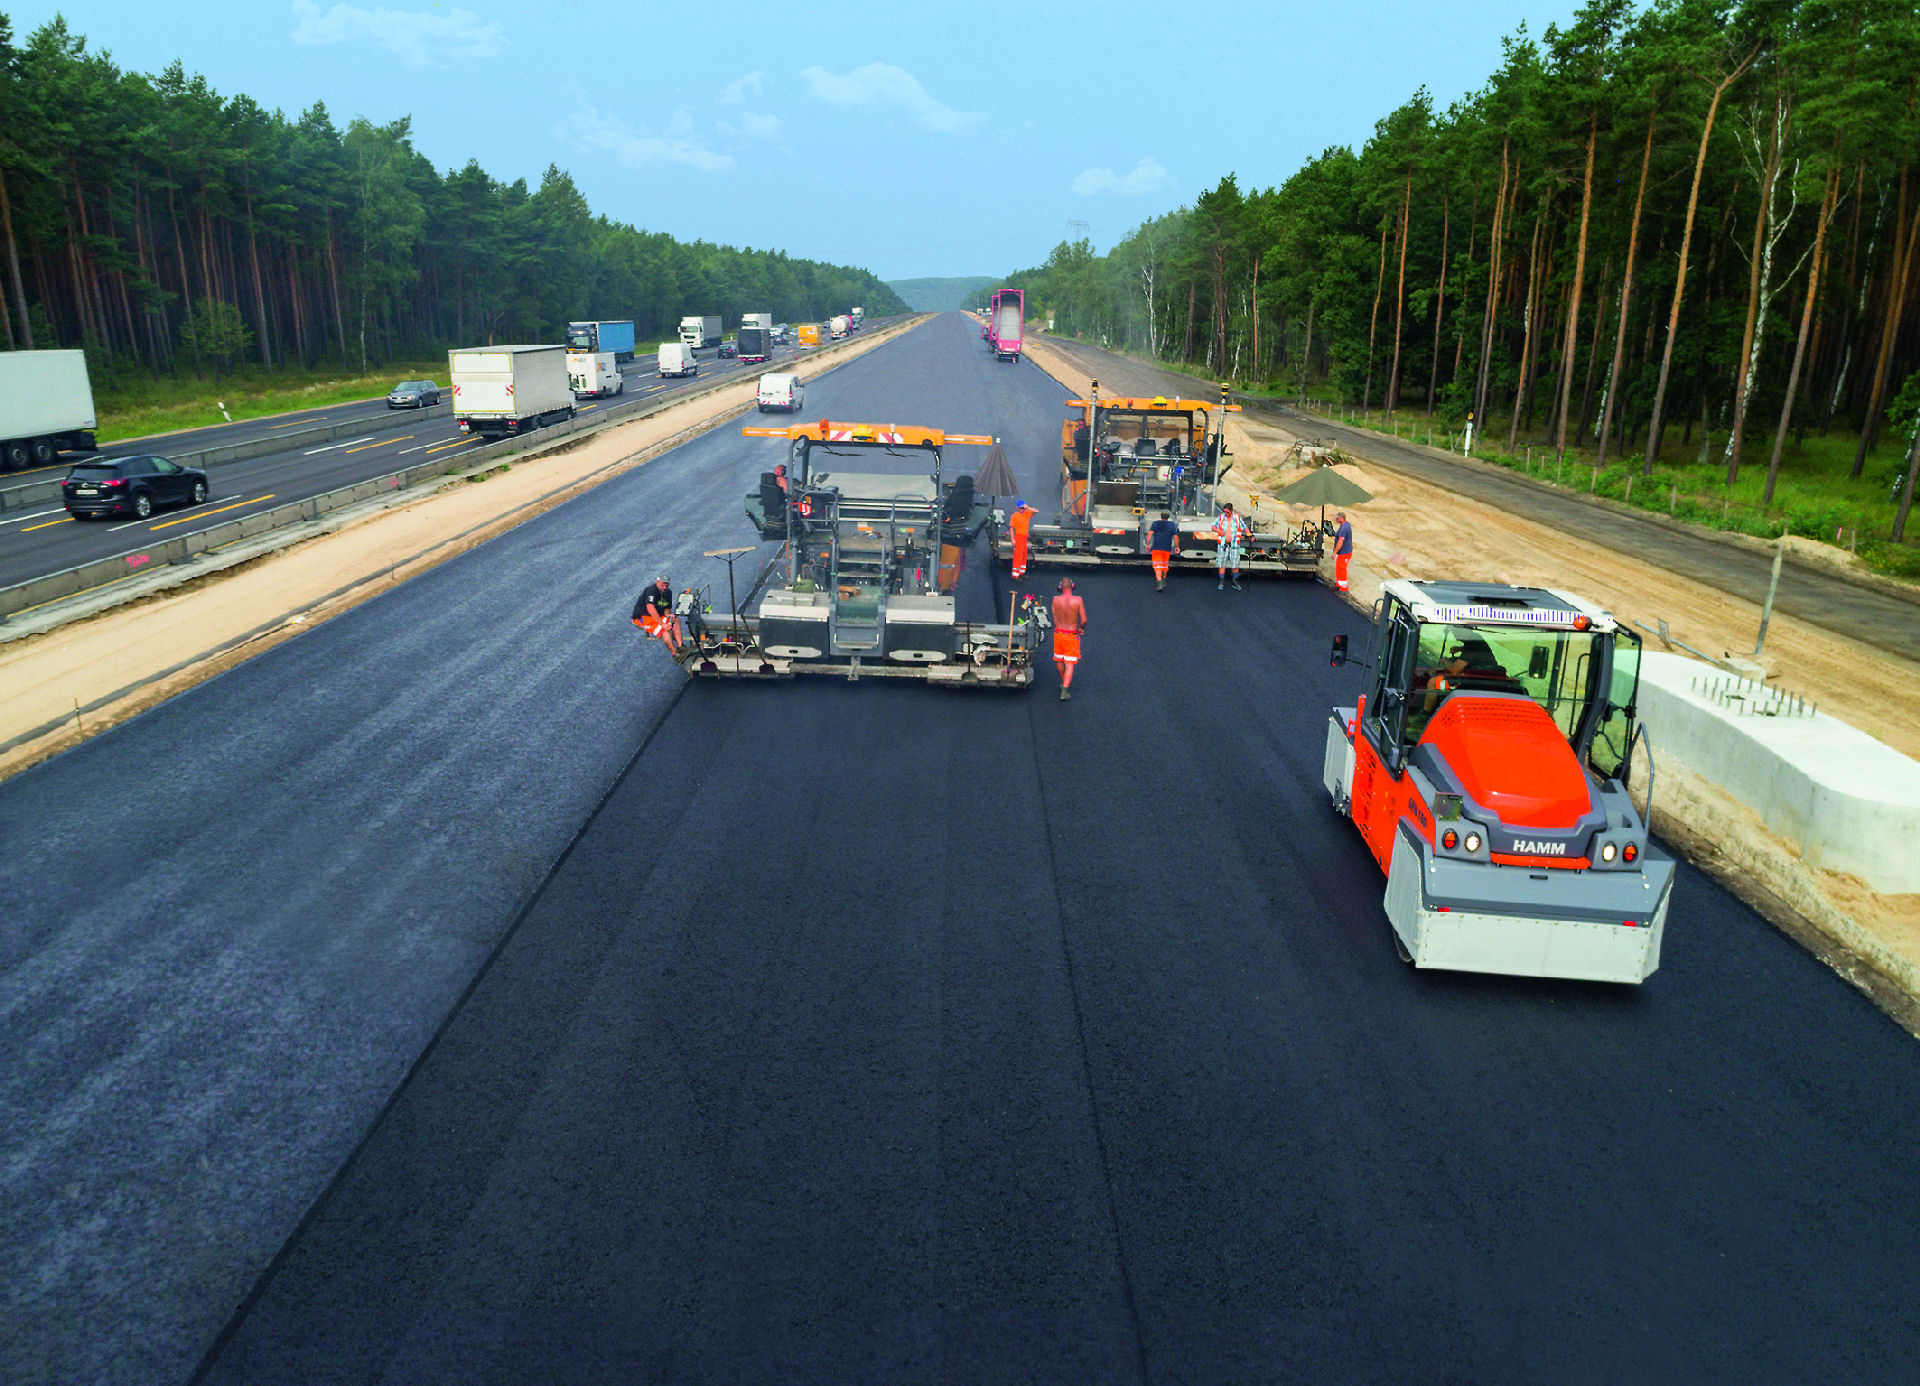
(911, 138)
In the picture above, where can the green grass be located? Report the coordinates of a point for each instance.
(1814, 497)
(164, 404)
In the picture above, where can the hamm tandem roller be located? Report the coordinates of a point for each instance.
(1487, 768)
(863, 584)
(1123, 461)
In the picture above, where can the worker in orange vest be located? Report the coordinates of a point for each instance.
(1022, 518)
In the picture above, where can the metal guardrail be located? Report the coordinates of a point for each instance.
(68, 582)
(35, 492)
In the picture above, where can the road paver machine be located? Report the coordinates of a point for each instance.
(864, 581)
(1125, 459)
(1487, 768)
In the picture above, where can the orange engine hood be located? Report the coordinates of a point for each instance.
(1510, 757)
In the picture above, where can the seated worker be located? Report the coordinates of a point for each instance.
(780, 477)
(653, 613)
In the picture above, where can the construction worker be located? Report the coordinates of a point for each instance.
(780, 477)
(1231, 531)
(1022, 518)
(653, 613)
(1342, 549)
(1069, 619)
(1163, 542)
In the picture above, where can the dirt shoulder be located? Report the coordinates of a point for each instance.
(1417, 530)
(75, 681)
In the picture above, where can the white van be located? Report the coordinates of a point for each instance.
(781, 391)
(677, 358)
(595, 373)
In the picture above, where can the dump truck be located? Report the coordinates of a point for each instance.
(1125, 459)
(1487, 767)
(699, 332)
(864, 581)
(503, 391)
(46, 407)
(1007, 322)
(595, 337)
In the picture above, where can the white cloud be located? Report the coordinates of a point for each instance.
(638, 146)
(1148, 176)
(419, 38)
(883, 84)
(743, 86)
(761, 127)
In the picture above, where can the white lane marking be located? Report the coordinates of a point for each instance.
(58, 509)
(345, 444)
(415, 448)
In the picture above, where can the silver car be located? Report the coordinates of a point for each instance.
(413, 394)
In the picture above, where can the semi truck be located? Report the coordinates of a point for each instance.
(595, 373)
(757, 320)
(503, 391)
(755, 343)
(46, 407)
(1007, 323)
(837, 329)
(699, 332)
(859, 317)
(616, 337)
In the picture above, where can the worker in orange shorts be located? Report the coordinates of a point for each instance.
(1163, 542)
(1022, 518)
(653, 613)
(1069, 619)
(1342, 549)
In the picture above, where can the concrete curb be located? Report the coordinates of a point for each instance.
(191, 549)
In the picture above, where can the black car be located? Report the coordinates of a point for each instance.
(729, 349)
(413, 394)
(130, 486)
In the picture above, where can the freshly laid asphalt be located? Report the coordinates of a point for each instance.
(1875, 616)
(869, 1032)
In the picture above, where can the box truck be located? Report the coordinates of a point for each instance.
(809, 334)
(1008, 322)
(700, 332)
(755, 343)
(616, 337)
(757, 320)
(46, 407)
(677, 358)
(501, 391)
(838, 327)
(594, 373)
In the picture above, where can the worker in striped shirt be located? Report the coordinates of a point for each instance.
(1231, 531)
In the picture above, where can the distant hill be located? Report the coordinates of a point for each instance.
(940, 295)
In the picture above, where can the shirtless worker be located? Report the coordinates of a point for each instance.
(1163, 542)
(1022, 518)
(1069, 619)
(653, 613)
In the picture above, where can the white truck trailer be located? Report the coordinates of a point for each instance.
(757, 320)
(46, 407)
(595, 373)
(699, 332)
(503, 391)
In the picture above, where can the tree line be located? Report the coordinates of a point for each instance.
(163, 226)
(1696, 217)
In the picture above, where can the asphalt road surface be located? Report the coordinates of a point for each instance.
(1829, 600)
(46, 539)
(452, 994)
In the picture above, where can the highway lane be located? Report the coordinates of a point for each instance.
(1872, 615)
(867, 1032)
(233, 922)
(873, 1033)
(46, 539)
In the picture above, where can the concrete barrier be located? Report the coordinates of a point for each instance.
(1842, 800)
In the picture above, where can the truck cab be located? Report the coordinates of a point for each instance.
(1487, 768)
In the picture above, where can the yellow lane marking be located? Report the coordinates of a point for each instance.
(454, 444)
(290, 423)
(401, 439)
(588, 409)
(199, 514)
(48, 525)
